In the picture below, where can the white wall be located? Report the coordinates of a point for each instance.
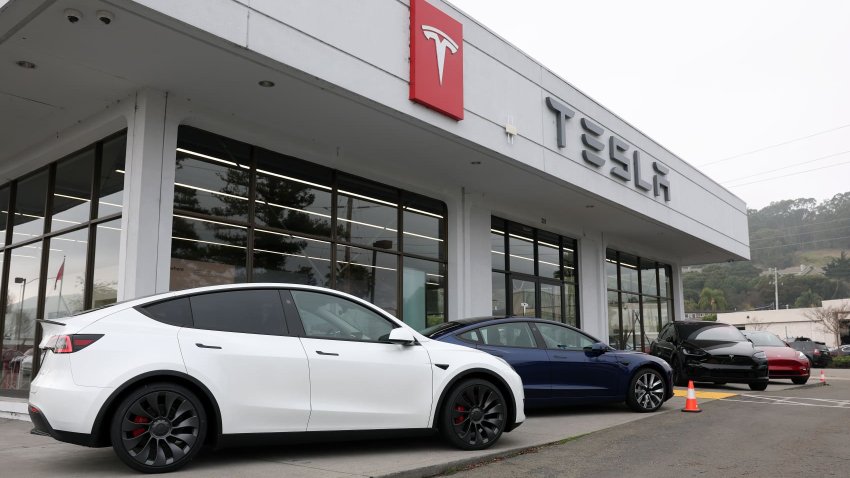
(362, 47)
(786, 323)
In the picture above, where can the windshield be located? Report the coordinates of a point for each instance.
(439, 328)
(714, 333)
(765, 339)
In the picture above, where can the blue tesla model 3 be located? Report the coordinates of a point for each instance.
(561, 365)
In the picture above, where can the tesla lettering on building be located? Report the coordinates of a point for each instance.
(593, 143)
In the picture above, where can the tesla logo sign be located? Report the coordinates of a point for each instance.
(436, 59)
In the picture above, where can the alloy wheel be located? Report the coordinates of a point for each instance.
(477, 414)
(160, 428)
(649, 391)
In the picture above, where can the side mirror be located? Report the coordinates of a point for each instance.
(596, 349)
(401, 336)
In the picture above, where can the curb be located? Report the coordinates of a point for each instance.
(456, 465)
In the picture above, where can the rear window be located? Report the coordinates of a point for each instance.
(244, 311)
(172, 312)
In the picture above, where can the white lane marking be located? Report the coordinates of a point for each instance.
(798, 401)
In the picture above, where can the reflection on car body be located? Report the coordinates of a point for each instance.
(561, 365)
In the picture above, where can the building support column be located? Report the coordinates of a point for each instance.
(593, 295)
(139, 264)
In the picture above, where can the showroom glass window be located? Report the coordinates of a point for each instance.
(534, 273)
(640, 300)
(60, 235)
(246, 214)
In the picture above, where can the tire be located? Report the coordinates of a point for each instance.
(646, 391)
(800, 380)
(758, 387)
(474, 415)
(158, 428)
(679, 377)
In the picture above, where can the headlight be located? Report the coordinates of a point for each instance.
(802, 356)
(760, 355)
(693, 351)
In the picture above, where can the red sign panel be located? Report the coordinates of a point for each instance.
(436, 59)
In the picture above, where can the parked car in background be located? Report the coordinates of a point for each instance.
(840, 351)
(783, 362)
(710, 352)
(561, 365)
(817, 352)
(158, 377)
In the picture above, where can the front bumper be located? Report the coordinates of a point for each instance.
(707, 372)
(789, 369)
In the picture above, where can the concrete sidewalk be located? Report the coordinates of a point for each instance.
(22, 454)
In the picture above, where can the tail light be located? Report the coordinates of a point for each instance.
(817, 352)
(67, 344)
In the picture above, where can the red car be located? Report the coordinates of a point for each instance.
(782, 360)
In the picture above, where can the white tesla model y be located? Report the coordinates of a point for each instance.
(159, 377)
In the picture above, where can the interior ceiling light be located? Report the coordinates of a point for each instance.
(25, 64)
(266, 83)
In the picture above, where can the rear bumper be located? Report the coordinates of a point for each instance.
(59, 407)
(41, 426)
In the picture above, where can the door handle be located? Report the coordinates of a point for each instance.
(560, 356)
(208, 346)
(327, 353)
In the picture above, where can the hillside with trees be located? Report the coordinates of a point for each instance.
(810, 240)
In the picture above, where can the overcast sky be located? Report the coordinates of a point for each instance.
(708, 80)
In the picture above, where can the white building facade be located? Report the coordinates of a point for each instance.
(789, 324)
(155, 145)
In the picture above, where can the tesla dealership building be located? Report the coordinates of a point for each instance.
(393, 149)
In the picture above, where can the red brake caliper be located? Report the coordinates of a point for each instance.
(139, 431)
(459, 419)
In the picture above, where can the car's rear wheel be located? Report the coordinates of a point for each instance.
(158, 428)
(646, 391)
(759, 387)
(474, 415)
(800, 380)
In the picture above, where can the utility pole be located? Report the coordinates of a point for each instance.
(775, 288)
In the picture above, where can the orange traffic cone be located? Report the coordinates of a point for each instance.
(822, 378)
(691, 402)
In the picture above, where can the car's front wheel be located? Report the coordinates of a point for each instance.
(474, 415)
(800, 380)
(158, 428)
(646, 391)
(759, 387)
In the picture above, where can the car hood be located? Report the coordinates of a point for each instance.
(642, 356)
(723, 348)
(779, 352)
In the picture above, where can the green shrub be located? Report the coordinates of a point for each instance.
(841, 362)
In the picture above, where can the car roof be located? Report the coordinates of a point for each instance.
(455, 325)
(162, 296)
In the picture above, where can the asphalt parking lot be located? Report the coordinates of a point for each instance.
(22, 454)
